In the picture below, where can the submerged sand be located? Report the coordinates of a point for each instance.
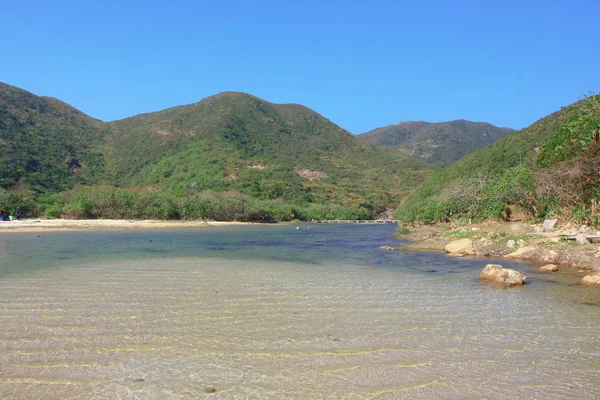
(36, 225)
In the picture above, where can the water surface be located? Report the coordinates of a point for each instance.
(275, 312)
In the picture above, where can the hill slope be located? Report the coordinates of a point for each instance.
(439, 144)
(46, 144)
(231, 142)
(495, 172)
(235, 141)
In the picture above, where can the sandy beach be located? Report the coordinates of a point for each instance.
(36, 224)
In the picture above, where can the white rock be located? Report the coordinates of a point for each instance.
(519, 252)
(462, 246)
(591, 280)
(498, 275)
(549, 224)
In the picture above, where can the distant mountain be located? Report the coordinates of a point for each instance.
(439, 144)
(231, 142)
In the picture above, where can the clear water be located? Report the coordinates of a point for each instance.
(275, 312)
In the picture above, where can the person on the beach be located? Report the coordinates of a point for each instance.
(2, 215)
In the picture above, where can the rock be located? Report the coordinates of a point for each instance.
(583, 228)
(462, 246)
(519, 252)
(555, 240)
(549, 224)
(510, 244)
(581, 238)
(538, 229)
(496, 274)
(549, 268)
(456, 255)
(386, 248)
(209, 389)
(550, 256)
(591, 280)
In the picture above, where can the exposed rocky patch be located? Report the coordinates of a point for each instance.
(515, 240)
(311, 175)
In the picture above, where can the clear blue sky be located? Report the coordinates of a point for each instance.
(362, 64)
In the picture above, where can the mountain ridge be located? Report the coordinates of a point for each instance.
(440, 143)
(207, 145)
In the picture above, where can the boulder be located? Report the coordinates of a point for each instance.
(549, 224)
(549, 268)
(510, 244)
(498, 275)
(591, 280)
(519, 252)
(462, 246)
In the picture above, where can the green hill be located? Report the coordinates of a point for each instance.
(46, 144)
(231, 145)
(439, 144)
(525, 169)
(235, 141)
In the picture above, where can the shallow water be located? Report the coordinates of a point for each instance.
(275, 312)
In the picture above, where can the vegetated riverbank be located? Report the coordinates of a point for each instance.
(518, 240)
(38, 225)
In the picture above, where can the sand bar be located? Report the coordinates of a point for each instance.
(36, 225)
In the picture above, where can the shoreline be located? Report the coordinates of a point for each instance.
(49, 225)
(510, 240)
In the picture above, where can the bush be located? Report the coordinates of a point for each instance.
(10, 202)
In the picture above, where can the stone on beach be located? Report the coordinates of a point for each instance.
(549, 224)
(520, 252)
(497, 274)
(462, 246)
(591, 280)
(549, 268)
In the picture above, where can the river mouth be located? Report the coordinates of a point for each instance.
(267, 313)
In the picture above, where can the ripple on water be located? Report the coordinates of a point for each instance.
(168, 328)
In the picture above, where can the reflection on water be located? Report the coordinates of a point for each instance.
(273, 312)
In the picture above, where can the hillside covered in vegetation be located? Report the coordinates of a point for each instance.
(230, 156)
(551, 168)
(46, 144)
(440, 144)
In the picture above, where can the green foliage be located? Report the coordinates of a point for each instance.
(112, 203)
(46, 144)
(429, 211)
(11, 201)
(50, 205)
(564, 180)
(576, 136)
(229, 142)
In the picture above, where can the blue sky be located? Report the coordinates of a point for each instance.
(362, 64)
